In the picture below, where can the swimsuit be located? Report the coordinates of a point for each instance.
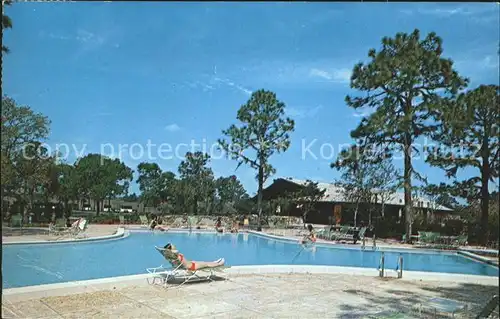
(181, 259)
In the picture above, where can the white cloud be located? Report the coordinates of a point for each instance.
(172, 127)
(489, 62)
(82, 36)
(364, 113)
(320, 73)
(200, 85)
(234, 85)
(336, 75)
(477, 68)
(302, 112)
(478, 12)
(88, 37)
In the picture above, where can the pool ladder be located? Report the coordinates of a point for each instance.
(374, 245)
(399, 266)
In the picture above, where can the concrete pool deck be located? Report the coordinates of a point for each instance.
(93, 231)
(252, 296)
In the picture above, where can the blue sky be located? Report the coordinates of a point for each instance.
(132, 72)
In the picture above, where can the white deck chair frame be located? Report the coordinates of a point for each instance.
(82, 228)
(179, 272)
(144, 221)
(72, 231)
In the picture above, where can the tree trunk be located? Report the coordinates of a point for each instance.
(485, 194)
(407, 187)
(356, 213)
(97, 207)
(67, 210)
(370, 217)
(259, 194)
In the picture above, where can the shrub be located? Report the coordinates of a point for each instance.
(389, 228)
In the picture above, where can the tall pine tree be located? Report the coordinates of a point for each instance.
(404, 81)
(469, 138)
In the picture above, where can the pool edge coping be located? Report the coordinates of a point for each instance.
(262, 269)
(119, 234)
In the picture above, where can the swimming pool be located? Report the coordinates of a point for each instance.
(35, 264)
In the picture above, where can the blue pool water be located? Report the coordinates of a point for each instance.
(27, 265)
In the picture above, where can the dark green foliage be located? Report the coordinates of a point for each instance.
(25, 162)
(307, 197)
(100, 177)
(131, 197)
(469, 137)
(405, 82)
(6, 22)
(264, 131)
(367, 175)
(198, 186)
(230, 192)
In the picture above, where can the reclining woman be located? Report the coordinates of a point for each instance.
(172, 254)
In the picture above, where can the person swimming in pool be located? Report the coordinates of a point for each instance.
(311, 237)
(172, 254)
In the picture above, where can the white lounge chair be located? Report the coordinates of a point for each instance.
(62, 232)
(81, 229)
(58, 228)
(179, 272)
(144, 221)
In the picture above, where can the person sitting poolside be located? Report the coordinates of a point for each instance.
(234, 228)
(155, 225)
(218, 225)
(311, 237)
(177, 259)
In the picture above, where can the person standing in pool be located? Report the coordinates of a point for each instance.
(173, 255)
(311, 237)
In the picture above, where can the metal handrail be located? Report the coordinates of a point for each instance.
(381, 265)
(399, 266)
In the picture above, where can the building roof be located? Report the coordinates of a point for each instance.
(335, 193)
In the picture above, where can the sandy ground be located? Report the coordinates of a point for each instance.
(264, 296)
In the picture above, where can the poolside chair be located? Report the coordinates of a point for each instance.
(351, 237)
(339, 234)
(360, 235)
(461, 240)
(81, 228)
(63, 231)
(58, 228)
(323, 233)
(179, 272)
(16, 221)
(144, 221)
